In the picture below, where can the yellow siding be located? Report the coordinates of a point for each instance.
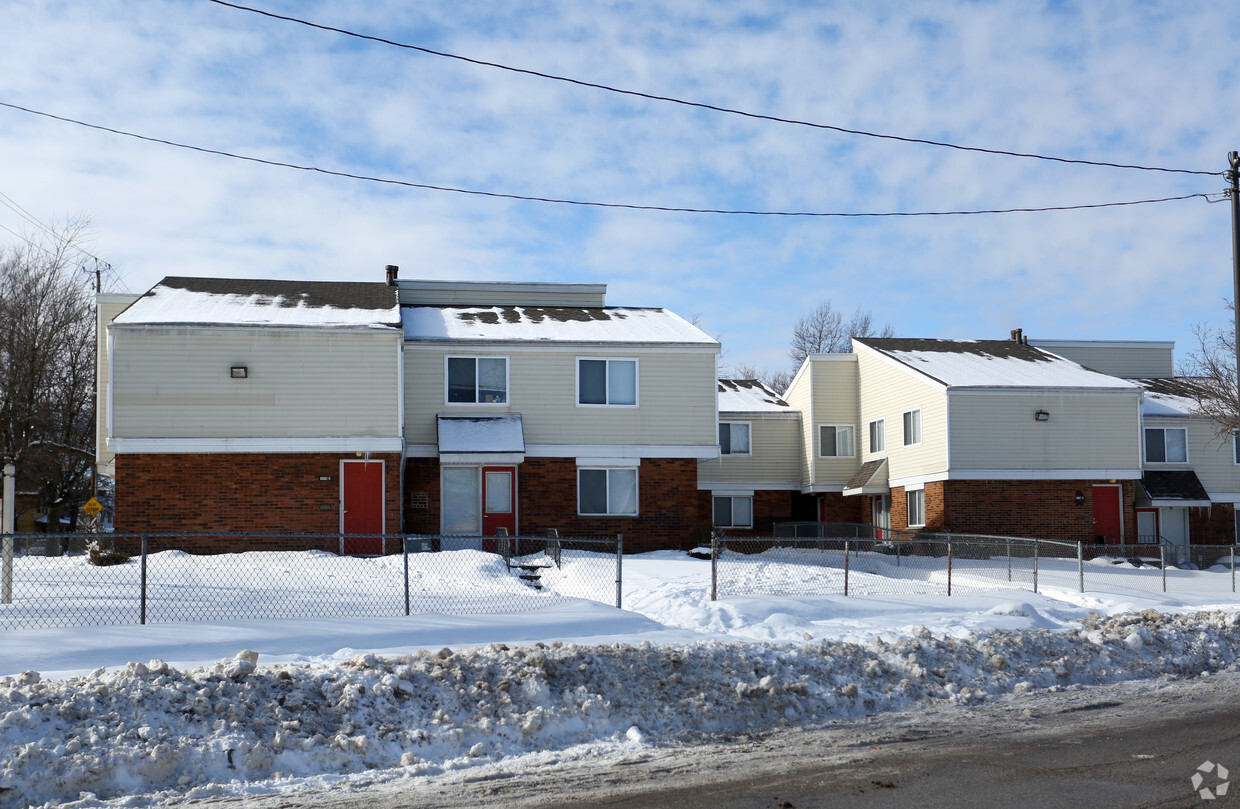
(887, 391)
(1085, 431)
(835, 402)
(775, 445)
(1208, 455)
(175, 383)
(799, 395)
(107, 307)
(676, 397)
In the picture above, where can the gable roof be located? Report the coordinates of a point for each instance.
(264, 302)
(749, 396)
(551, 324)
(991, 364)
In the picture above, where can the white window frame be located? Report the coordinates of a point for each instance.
(920, 496)
(914, 417)
(881, 425)
(447, 389)
(611, 470)
(1164, 430)
(732, 510)
(637, 393)
(749, 435)
(1235, 450)
(852, 431)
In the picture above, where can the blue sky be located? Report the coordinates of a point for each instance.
(1151, 83)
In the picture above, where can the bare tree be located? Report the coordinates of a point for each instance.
(825, 331)
(47, 362)
(777, 381)
(1210, 375)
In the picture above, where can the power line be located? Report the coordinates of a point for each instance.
(700, 105)
(16, 208)
(583, 203)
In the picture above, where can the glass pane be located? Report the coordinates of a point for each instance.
(461, 379)
(827, 442)
(742, 511)
(1177, 446)
(622, 491)
(592, 491)
(499, 492)
(592, 382)
(492, 380)
(725, 439)
(461, 501)
(1155, 448)
(723, 511)
(844, 442)
(622, 379)
(740, 439)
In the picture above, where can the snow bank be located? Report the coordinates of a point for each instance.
(241, 728)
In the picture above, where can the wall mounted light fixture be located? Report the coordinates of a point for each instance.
(1080, 498)
(1042, 415)
(239, 372)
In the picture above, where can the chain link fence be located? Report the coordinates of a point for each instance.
(808, 558)
(139, 579)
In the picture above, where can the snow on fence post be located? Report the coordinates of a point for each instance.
(404, 550)
(1080, 564)
(845, 567)
(619, 567)
(142, 598)
(714, 565)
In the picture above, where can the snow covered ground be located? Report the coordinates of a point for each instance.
(128, 715)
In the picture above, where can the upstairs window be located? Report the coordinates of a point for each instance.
(733, 438)
(836, 441)
(912, 427)
(1166, 445)
(477, 380)
(607, 382)
(878, 435)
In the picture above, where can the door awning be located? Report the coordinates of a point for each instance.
(871, 478)
(475, 440)
(1172, 488)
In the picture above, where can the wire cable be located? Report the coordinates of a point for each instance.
(583, 203)
(13, 206)
(700, 105)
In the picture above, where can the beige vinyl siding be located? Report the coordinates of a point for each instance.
(887, 391)
(799, 396)
(1210, 456)
(1084, 431)
(836, 401)
(775, 450)
(675, 393)
(107, 307)
(441, 293)
(1137, 360)
(175, 383)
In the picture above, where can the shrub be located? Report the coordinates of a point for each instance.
(102, 557)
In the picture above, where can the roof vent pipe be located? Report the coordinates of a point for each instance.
(392, 270)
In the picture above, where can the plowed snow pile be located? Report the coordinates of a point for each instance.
(241, 727)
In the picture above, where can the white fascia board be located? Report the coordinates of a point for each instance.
(702, 452)
(867, 489)
(480, 458)
(1179, 503)
(1018, 474)
(358, 443)
(982, 390)
(761, 415)
(543, 347)
(210, 329)
(731, 487)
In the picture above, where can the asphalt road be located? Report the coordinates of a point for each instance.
(1126, 745)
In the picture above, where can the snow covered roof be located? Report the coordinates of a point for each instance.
(265, 302)
(992, 364)
(1168, 398)
(481, 434)
(749, 396)
(547, 324)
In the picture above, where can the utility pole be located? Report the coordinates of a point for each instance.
(1233, 176)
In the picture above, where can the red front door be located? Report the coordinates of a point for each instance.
(361, 484)
(499, 500)
(1108, 529)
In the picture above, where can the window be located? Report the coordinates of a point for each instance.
(734, 512)
(878, 437)
(1235, 448)
(912, 427)
(916, 508)
(607, 382)
(836, 441)
(1166, 445)
(607, 492)
(733, 438)
(478, 380)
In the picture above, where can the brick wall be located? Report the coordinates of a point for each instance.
(835, 507)
(1044, 509)
(769, 507)
(1212, 525)
(277, 493)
